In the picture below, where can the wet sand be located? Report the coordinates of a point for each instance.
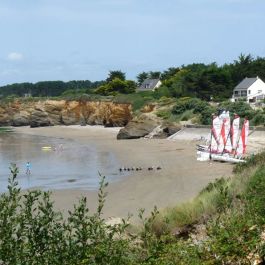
(180, 179)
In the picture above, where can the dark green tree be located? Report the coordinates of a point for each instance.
(116, 74)
(141, 77)
(117, 86)
(170, 72)
(154, 75)
(242, 68)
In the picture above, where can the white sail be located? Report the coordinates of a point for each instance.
(215, 134)
(227, 131)
(235, 131)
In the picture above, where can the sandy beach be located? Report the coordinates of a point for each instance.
(180, 179)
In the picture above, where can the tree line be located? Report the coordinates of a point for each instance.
(208, 81)
(47, 88)
(204, 81)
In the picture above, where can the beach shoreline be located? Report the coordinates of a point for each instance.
(180, 179)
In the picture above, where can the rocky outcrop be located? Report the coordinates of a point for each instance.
(21, 118)
(149, 126)
(39, 118)
(139, 127)
(56, 112)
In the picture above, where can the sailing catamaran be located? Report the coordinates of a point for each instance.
(227, 142)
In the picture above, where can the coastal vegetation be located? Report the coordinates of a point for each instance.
(223, 225)
(204, 81)
(201, 111)
(190, 93)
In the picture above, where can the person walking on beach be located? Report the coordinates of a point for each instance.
(28, 168)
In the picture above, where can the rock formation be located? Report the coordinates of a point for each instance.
(144, 125)
(138, 127)
(57, 112)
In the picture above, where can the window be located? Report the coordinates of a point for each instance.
(249, 92)
(236, 94)
(259, 91)
(243, 93)
(146, 85)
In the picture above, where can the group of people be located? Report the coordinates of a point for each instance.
(138, 168)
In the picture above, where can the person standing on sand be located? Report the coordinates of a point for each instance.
(28, 168)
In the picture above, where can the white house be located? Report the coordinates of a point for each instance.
(250, 89)
(150, 85)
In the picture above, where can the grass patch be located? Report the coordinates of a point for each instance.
(235, 221)
(137, 100)
(214, 198)
(202, 207)
(163, 114)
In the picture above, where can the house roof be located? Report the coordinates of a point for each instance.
(149, 83)
(246, 83)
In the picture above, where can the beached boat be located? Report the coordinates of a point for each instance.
(227, 141)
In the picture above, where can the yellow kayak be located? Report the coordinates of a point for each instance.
(46, 148)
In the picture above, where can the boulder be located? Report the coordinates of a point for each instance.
(138, 127)
(171, 129)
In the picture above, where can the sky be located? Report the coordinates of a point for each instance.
(85, 39)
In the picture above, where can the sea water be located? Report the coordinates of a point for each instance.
(66, 165)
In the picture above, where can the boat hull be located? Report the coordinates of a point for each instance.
(206, 156)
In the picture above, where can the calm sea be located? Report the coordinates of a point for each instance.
(68, 165)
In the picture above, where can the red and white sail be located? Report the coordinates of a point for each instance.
(242, 143)
(216, 132)
(225, 141)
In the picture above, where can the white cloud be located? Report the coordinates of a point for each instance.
(15, 56)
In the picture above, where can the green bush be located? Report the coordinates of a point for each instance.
(206, 115)
(138, 100)
(32, 232)
(194, 104)
(259, 119)
(186, 115)
(241, 108)
(164, 114)
(115, 86)
(255, 194)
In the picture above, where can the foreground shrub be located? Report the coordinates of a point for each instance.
(32, 232)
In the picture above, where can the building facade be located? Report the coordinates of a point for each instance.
(251, 90)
